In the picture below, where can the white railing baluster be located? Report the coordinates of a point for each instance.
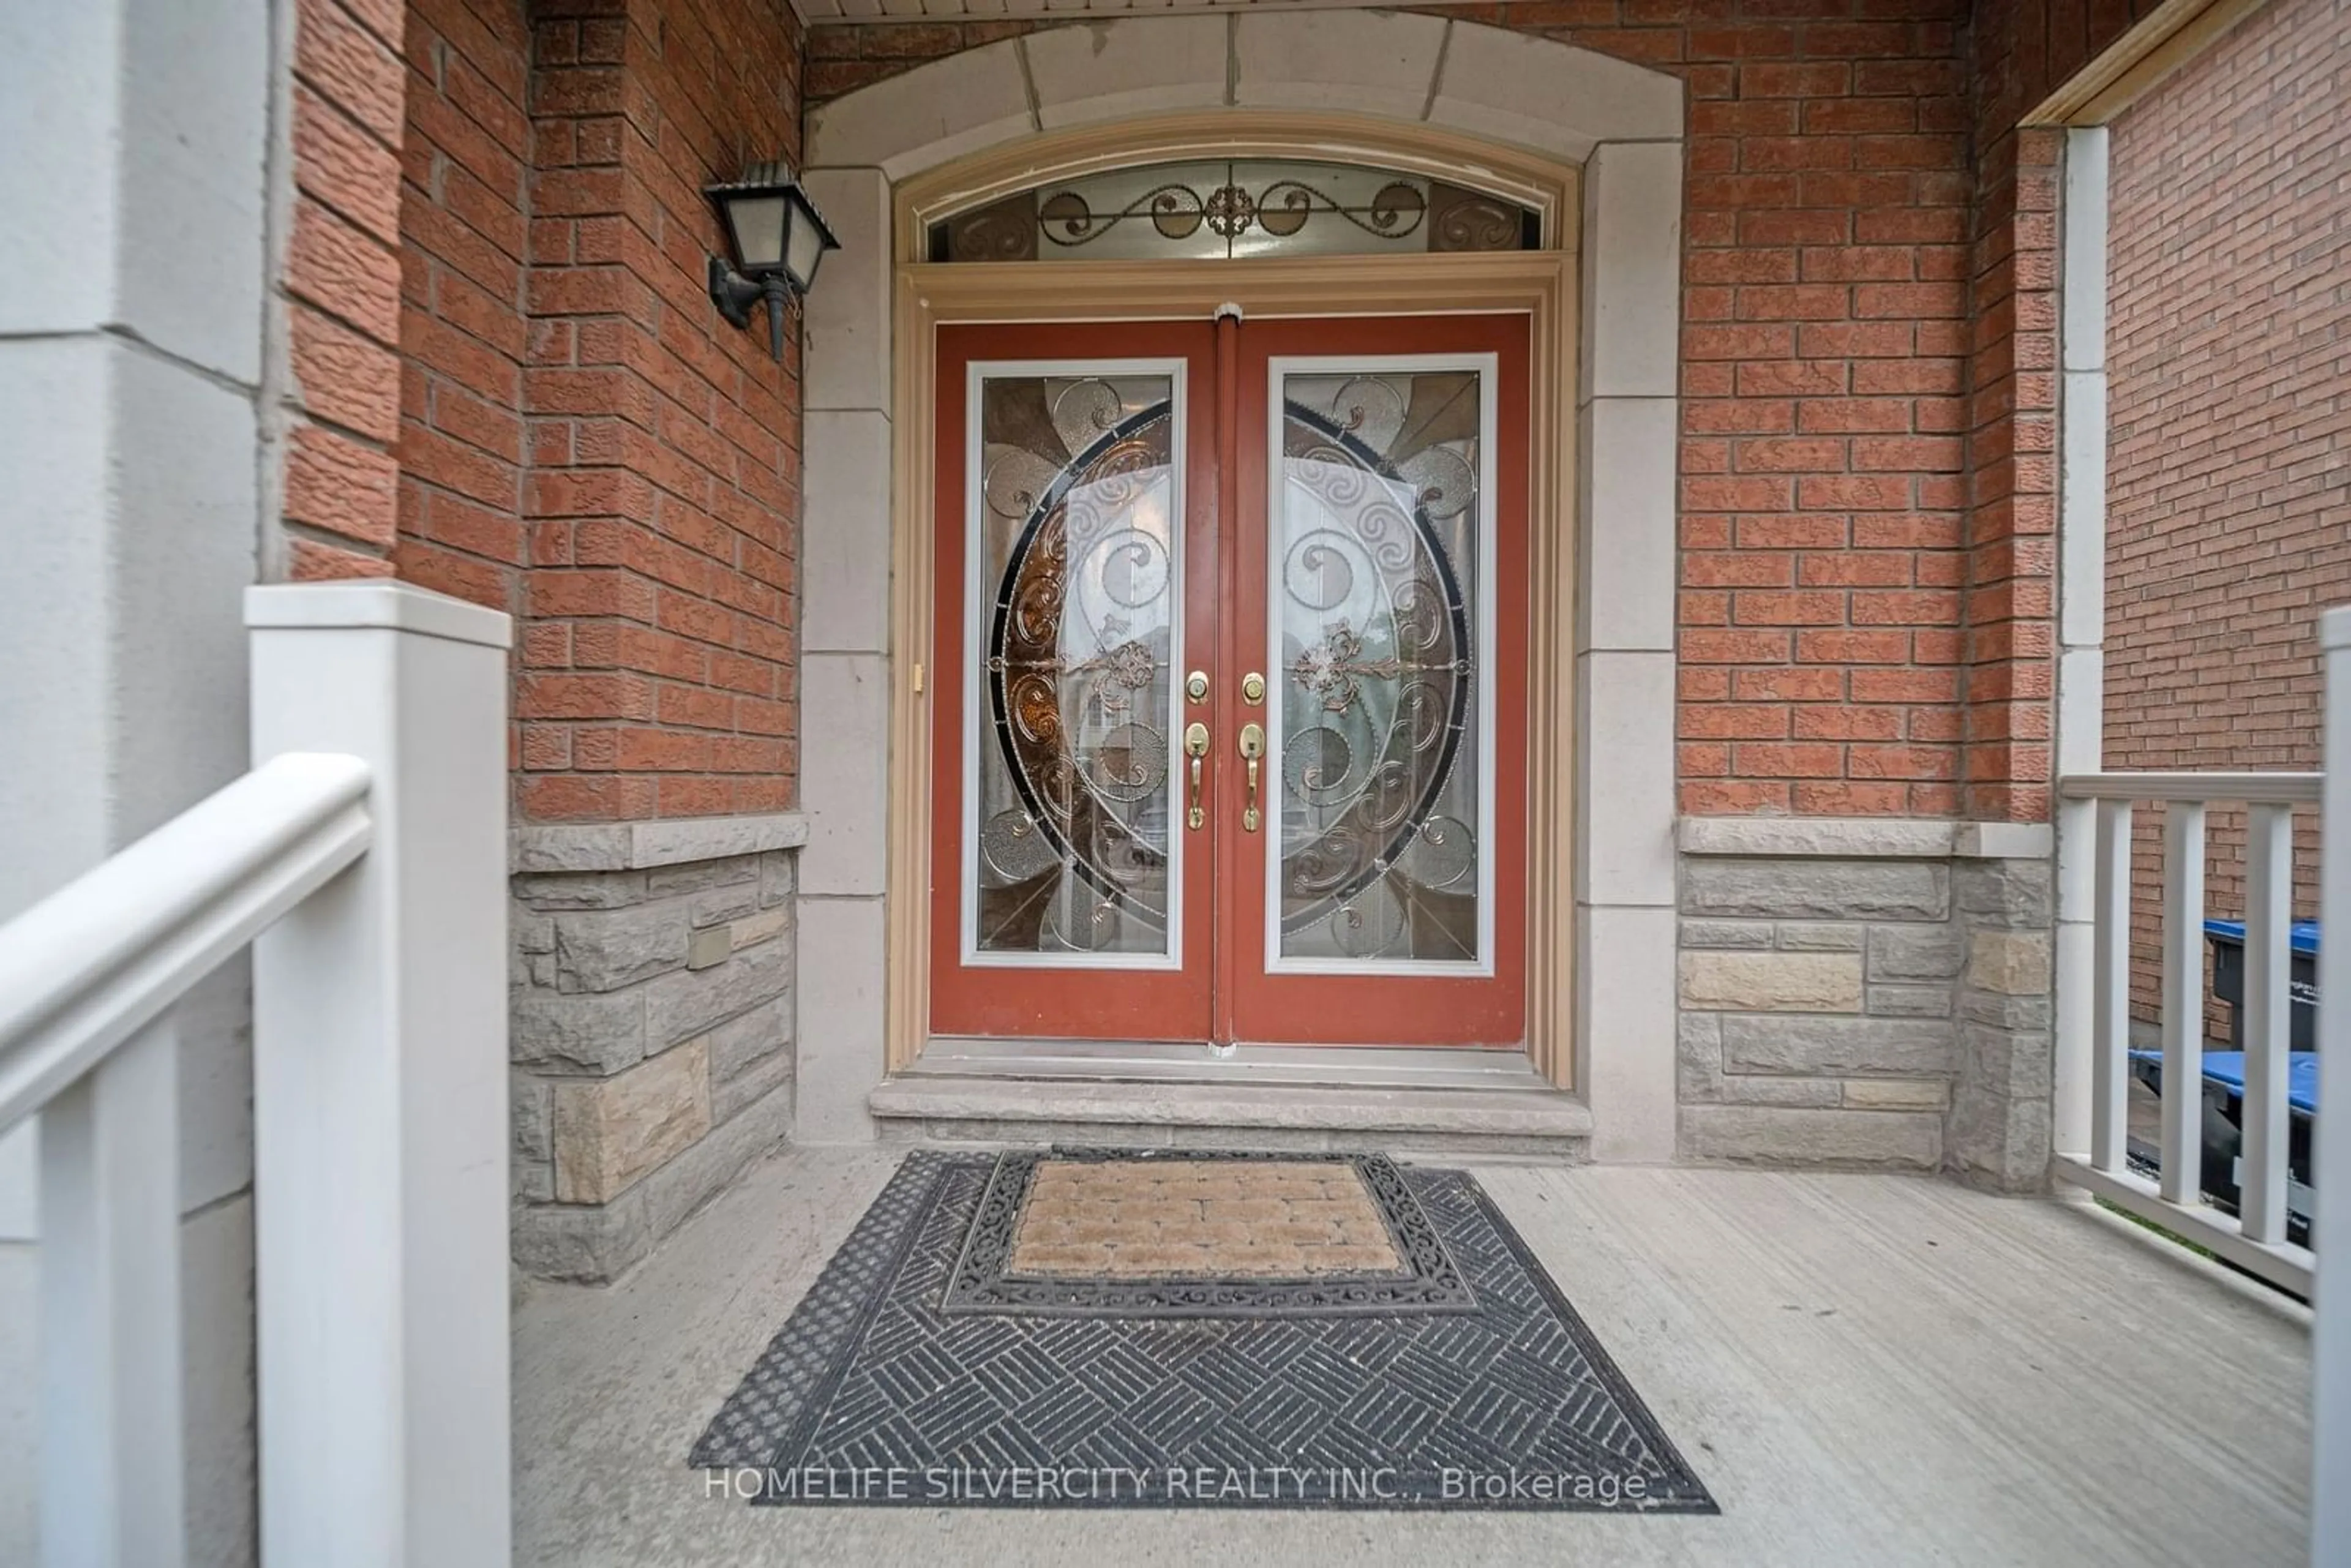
(2073, 1076)
(2110, 982)
(110, 1304)
(2183, 1000)
(2269, 920)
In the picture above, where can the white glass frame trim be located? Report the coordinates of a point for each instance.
(978, 593)
(1487, 370)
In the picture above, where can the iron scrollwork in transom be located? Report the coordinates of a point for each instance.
(1234, 208)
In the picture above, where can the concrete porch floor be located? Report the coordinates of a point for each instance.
(1863, 1370)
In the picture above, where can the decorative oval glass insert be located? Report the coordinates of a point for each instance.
(1373, 562)
(1080, 580)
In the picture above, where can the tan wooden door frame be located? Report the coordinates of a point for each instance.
(1542, 284)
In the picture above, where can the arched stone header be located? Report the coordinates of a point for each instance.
(1622, 123)
(1515, 88)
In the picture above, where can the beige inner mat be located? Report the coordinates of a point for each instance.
(1240, 1219)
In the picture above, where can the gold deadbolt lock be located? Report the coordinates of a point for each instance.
(1253, 687)
(1196, 685)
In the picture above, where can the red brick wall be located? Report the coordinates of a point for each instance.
(663, 504)
(341, 285)
(584, 442)
(462, 328)
(1826, 589)
(2229, 460)
(842, 59)
(2022, 50)
(1823, 348)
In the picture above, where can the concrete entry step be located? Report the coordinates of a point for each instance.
(972, 1108)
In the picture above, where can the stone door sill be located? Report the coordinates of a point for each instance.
(1003, 1109)
(1157, 1062)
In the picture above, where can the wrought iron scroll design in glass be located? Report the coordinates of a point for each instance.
(1226, 209)
(1375, 568)
(1072, 852)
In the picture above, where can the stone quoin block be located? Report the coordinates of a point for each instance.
(2006, 892)
(1997, 1142)
(2016, 1065)
(2012, 963)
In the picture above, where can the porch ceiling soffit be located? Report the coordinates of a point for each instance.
(1465, 77)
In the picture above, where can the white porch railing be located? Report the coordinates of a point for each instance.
(2093, 1068)
(363, 860)
(2099, 808)
(2095, 815)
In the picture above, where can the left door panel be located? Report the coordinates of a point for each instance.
(1076, 575)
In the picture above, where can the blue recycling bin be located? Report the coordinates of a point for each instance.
(2223, 1098)
(2223, 1111)
(2227, 940)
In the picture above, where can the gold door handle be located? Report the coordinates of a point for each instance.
(1252, 748)
(1196, 746)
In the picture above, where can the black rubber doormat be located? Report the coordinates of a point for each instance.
(873, 1395)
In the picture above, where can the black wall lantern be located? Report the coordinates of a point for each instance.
(779, 238)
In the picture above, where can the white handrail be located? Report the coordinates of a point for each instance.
(84, 969)
(2254, 788)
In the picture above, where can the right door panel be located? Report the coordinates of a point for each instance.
(1383, 595)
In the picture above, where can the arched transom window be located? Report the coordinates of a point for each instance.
(1233, 208)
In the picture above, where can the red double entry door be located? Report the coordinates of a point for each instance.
(1230, 686)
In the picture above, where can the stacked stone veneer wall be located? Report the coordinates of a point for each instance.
(2000, 1124)
(653, 1033)
(1886, 1010)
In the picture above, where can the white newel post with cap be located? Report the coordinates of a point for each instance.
(379, 1093)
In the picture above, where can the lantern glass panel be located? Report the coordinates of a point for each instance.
(807, 249)
(758, 225)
